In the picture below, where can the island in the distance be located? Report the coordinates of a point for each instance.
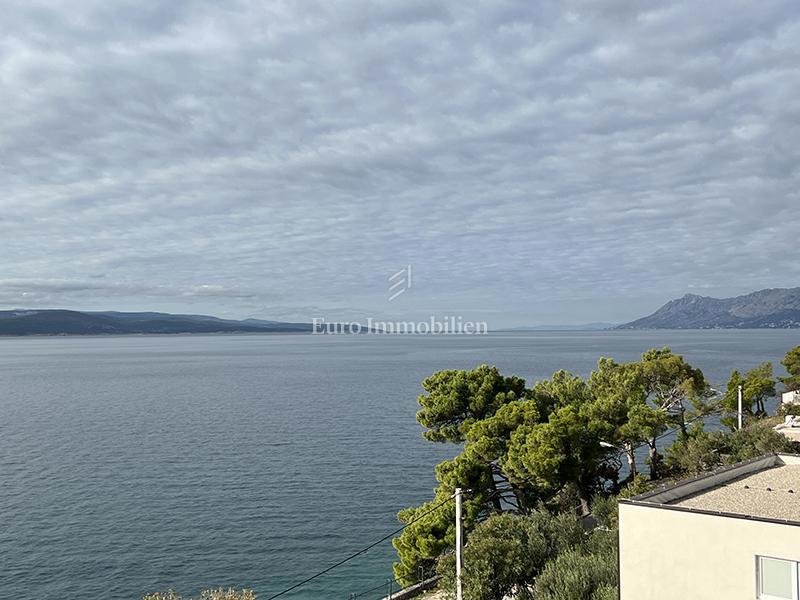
(71, 322)
(777, 308)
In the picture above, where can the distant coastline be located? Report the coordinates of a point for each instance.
(16, 323)
(765, 309)
(581, 327)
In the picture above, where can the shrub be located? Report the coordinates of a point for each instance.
(506, 552)
(606, 592)
(605, 510)
(578, 575)
(638, 485)
(703, 451)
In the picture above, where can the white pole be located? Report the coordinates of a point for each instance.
(740, 407)
(459, 546)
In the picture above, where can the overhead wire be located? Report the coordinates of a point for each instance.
(360, 552)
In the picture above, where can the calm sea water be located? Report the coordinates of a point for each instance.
(136, 464)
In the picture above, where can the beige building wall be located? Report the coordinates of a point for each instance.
(677, 555)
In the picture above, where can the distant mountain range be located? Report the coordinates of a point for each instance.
(581, 327)
(70, 322)
(766, 309)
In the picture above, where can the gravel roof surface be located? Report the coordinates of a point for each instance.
(772, 493)
(792, 433)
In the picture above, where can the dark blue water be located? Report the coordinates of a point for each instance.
(135, 464)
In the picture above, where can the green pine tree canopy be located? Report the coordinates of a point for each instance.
(538, 459)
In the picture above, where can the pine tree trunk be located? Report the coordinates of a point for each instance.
(655, 461)
(520, 496)
(585, 497)
(684, 431)
(498, 505)
(631, 460)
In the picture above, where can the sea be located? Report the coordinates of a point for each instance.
(136, 464)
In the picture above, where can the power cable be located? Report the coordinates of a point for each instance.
(417, 518)
(360, 552)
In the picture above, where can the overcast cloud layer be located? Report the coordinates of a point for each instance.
(534, 161)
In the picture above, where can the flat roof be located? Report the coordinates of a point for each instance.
(773, 493)
(790, 433)
(765, 488)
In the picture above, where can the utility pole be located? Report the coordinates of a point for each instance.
(740, 407)
(459, 546)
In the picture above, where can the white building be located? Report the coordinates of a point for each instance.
(732, 534)
(791, 397)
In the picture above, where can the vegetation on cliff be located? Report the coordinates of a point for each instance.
(544, 465)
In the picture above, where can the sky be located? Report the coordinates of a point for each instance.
(551, 162)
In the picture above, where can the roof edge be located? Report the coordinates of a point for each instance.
(664, 494)
(712, 513)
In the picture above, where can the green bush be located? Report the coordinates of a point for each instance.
(706, 450)
(578, 575)
(606, 592)
(218, 594)
(605, 510)
(638, 485)
(508, 551)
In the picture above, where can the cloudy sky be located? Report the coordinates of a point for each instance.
(535, 162)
